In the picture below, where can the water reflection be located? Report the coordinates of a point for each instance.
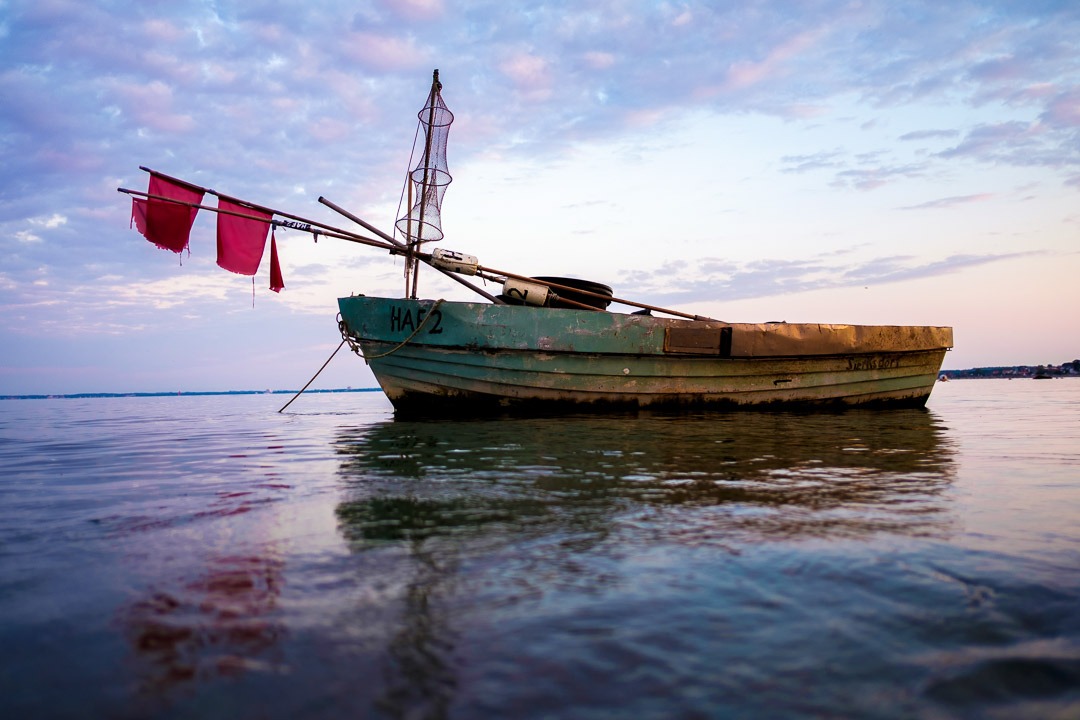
(495, 516)
(778, 475)
(419, 671)
(220, 623)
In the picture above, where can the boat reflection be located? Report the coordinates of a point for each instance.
(780, 475)
(461, 522)
(218, 624)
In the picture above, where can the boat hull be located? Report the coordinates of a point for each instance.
(471, 358)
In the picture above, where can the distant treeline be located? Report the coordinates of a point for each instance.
(1066, 369)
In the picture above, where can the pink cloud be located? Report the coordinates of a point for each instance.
(646, 118)
(599, 60)
(151, 106)
(997, 70)
(1064, 110)
(162, 31)
(1036, 91)
(746, 74)
(385, 53)
(986, 140)
(803, 111)
(352, 96)
(683, 18)
(329, 130)
(530, 74)
(951, 201)
(415, 9)
(873, 178)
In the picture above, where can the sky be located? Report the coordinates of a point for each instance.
(874, 162)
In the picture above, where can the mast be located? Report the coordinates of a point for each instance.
(426, 183)
(436, 87)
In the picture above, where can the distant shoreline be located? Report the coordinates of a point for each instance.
(989, 373)
(1068, 369)
(955, 375)
(182, 393)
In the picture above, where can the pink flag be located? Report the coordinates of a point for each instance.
(241, 240)
(164, 223)
(138, 215)
(277, 284)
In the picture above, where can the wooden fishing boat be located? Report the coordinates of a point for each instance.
(551, 344)
(457, 357)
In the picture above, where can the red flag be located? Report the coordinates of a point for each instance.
(276, 282)
(166, 224)
(138, 215)
(241, 240)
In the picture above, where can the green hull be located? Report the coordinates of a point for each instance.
(469, 358)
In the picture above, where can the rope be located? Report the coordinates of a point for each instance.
(312, 378)
(368, 358)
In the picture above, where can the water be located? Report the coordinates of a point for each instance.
(207, 557)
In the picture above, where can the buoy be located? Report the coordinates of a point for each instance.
(454, 261)
(519, 292)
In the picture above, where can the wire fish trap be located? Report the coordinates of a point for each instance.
(428, 180)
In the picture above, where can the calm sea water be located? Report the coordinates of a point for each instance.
(207, 557)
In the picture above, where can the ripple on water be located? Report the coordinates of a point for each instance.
(189, 557)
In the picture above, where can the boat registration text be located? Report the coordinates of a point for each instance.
(402, 319)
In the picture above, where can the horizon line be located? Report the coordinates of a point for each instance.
(84, 395)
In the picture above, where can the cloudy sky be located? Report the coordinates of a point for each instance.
(821, 161)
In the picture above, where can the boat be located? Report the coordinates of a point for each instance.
(550, 344)
(553, 344)
(434, 357)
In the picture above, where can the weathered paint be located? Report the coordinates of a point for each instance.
(468, 355)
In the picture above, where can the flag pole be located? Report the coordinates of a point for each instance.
(404, 249)
(313, 227)
(390, 244)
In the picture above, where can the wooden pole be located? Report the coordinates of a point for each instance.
(252, 205)
(435, 86)
(408, 232)
(396, 247)
(422, 256)
(327, 230)
(363, 223)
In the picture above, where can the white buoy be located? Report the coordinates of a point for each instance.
(525, 292)
(454, 261)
